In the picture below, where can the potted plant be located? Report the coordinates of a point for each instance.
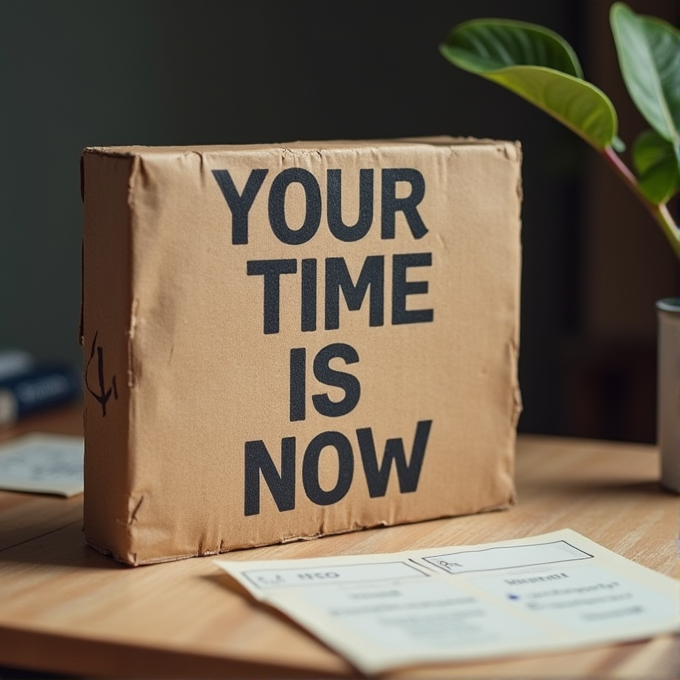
(540, 66)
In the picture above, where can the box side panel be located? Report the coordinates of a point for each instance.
(105, 327)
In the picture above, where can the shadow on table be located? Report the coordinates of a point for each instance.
(9, 673)
(62, 547)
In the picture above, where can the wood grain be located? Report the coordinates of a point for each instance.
(66, 608)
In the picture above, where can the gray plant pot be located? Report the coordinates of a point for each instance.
(668, 406)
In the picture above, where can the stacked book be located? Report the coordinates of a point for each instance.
(27, 387)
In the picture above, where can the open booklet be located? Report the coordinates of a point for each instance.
(538, 594)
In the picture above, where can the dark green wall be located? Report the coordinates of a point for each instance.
(86, 72)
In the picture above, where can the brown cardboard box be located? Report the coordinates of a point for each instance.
(296, 340)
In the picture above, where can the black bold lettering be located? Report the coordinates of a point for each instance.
(408, 474)
(308, 297)
(277, 206)
(342, 231)
(337, 277)
(298, 383)
(239, 204)
(310, 468)
(346, 381)
(281, 486)
(391, 205)
(401, 289)
(271, 271)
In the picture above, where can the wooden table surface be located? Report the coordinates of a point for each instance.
(65, 608)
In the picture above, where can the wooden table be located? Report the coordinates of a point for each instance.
(65, 608)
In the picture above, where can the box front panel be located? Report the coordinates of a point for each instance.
(322, 340)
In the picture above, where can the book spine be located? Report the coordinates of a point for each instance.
(14, 362)
(36, 390)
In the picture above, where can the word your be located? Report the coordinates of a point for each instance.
(241, 203)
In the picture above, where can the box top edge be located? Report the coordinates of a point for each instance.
(439, 141)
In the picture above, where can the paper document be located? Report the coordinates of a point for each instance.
(43, 463)
(538, 594)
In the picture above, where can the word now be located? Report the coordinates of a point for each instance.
(259, 465)
(241, 203)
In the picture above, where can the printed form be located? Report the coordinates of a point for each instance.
(43, 463)
(538, 594)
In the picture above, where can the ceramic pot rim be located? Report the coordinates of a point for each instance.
(671, 305)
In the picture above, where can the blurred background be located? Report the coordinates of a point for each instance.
(75, 73)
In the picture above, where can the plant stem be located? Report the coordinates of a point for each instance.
(659, 212)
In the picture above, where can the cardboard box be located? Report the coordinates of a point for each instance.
(288, 341)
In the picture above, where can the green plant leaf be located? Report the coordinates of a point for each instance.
(649, 56)
(539, 66)
(656, 164)
(484, 45)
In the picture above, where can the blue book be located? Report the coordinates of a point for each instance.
(37, 389)
(14, 361)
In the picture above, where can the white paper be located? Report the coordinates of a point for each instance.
(43, 463)
(538, 594)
